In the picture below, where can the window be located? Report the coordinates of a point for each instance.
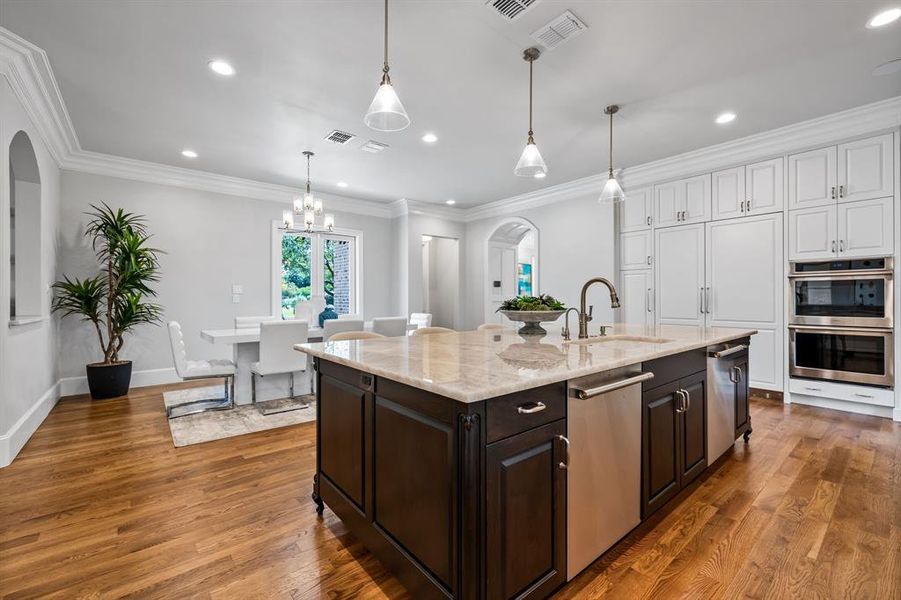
(316, 270)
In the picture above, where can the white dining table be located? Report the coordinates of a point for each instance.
(246, 351)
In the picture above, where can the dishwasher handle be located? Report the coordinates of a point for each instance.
(730, 351)
(586, 393)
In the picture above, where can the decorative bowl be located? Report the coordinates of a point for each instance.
(531, 319)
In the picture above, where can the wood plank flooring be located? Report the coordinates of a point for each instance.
(99, 504)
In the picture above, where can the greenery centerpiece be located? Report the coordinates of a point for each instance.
(531, 311)
(115, 300)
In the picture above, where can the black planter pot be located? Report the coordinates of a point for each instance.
(109, 381)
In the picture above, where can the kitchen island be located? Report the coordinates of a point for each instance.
(488, 465)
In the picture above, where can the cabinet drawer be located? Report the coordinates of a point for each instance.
(860, 394)
(672, 368)
(515, 413)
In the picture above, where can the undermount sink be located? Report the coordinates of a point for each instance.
(636, 339)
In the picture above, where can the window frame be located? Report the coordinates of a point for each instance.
(317, 277)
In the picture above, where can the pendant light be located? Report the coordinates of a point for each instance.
(386, 113)
(309, 207)
(613, 192)
(530, 162)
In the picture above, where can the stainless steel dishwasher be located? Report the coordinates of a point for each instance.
(603, 493)
(722, 377)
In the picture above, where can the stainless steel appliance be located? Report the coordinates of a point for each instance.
(852, 354)
(722, 376)
(842, 293)
(603, 492)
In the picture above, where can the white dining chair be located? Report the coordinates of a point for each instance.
(421, 320)
(431, 330)
(277, 353)
(333, 326)
(355, 335)
(491, 327)
(251, 322)
(199, 369)
(349, 317)
(390, 326)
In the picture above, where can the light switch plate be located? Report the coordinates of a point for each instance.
(236, 298)
(237, 288)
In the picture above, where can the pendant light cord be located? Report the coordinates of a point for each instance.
(531, 140)
(611, 144)
(308, 173)
(385, 77)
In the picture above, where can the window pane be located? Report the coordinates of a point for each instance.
(338, 274)
(296, 272)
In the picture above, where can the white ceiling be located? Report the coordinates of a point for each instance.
(135, 79)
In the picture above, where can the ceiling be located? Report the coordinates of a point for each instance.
(135, 80)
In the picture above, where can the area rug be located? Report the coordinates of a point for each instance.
(241, 420)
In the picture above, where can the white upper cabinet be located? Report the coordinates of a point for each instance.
(680, 275)
(865, 228)
(812, 233)
(728, 193)
(811, 178)
(668, 204)
(635, 213)
(764, 184)
(865, 169)
(697, 199)
(683, 201)
(636, 251)
(637, 295)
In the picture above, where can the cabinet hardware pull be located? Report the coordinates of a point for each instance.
(649, 260)
(741, 374)
(833, 246)
(730, 351)
(841, 246)
(813, 389)
(681, 404)
(707, 300)
(864, 395)
(742, 206)
(833, 192)
(563, 464)
(649, 221)
(733, 376)
(841, 191)
(649, 301)
(585, 394)
(701, 300)
(748, 205)
(530, 408)
(687, 399)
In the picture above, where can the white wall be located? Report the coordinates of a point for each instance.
(28, 353)
(441, 275)
(211, 242)
(575, 243)
(414, 227)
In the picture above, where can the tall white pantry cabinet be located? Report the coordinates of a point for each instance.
(712, 249)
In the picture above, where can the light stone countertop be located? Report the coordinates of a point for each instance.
(470, 366)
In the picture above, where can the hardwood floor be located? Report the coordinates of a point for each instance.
(99, 504)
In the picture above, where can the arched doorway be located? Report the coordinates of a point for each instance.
(511, 264)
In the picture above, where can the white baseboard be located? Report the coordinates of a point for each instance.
(71, 386)
(852, 407)
(13, 440)
(896, 415)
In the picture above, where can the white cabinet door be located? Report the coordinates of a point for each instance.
(811, 178)
(865, 169)
(765, 359)
(636, 251)
(865, 228)
(729, 193)
(744, 271)
(668, 200)
(764, 185)
(696, 199)
(812, 233)
(680, 285)
(636, 295)
(635, 213)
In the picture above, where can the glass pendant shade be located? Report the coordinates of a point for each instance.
(298, 204)
(317, 206)
(328, 221)
(309, 218)
(308, 201)
(612, 192)
(530, 162)
(386, 113)
(288, 219)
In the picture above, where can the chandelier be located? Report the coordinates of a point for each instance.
(309, 208)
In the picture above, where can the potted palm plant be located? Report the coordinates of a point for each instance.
(114, 300)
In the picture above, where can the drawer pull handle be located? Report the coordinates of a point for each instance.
(865, 396)
(531, 408)
(564, 463)
(730, 351)
(813, 389)
(585, 394)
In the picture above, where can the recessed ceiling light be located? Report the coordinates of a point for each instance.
(726, 117)
(430, 138)
(887, 68)
(884, 18)
(221, 67)
(540, 175)
(451, 202)
(342, 184)
(189, 153)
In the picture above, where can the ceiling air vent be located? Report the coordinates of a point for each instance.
(511, 9)
(373, 146)
(340, 137)
(560, 30)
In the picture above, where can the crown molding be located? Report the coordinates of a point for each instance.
(549, 195)
(405, 206)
